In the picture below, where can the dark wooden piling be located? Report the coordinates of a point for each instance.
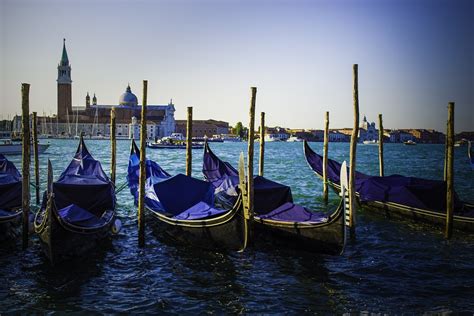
(35, 157)
(189, 142)
(113, 144)
(353, 150)
(25, 171)
(250, 153)
(142, 179)
(262, 144)
(325, 158)
(450, 172)
(381, 165)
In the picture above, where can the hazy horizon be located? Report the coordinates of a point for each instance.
(414, 57)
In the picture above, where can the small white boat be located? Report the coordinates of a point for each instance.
(7, 147)
(294, 139)
(409, 142)
(370, 142)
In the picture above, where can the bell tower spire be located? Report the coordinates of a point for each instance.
(64, 85)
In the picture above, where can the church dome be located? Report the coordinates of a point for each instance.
(128, 98)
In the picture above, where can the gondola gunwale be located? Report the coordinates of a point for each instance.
(382, 206)
(9, 218)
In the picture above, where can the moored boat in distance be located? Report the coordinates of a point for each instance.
(78, 209)
(370, 142)
(184, 210)
(292, 139)
(421, 200)
(10, 200)
(8, 147)
(409, 142)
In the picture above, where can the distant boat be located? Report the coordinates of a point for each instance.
(7, 147)
(272, 138)
(370, 142)
(461, 142)
(409, 142)
(293, 139)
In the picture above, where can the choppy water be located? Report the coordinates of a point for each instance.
(393, 266)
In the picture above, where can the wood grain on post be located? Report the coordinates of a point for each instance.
(35, 157)
(262, 144)
(113, 144)
(325, 158)
(353, 150)
(381, 165)
(450, 172)
(26, 145)
(189, 142)
(250, 152)
(142, 178)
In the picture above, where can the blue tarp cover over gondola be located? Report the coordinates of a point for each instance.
(410, 191)
(84, 184)
(10, 185)
(268, 195)
(179, 196)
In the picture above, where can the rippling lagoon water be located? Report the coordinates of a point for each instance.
(394, 266)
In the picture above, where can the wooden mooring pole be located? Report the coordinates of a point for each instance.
(325, 158)
(381, 146)
(113, 144)
(250, 152)
(142, 179)
(189, 142)
(262, 144)
(353, 150)
(450, 172)
(35, 157)
(26, 145)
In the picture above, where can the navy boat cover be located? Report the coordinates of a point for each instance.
(180, 197)
(83, 186)
(10, 185)
(410, 191)
(268, 195)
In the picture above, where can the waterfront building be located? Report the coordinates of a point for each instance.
(93, 118)
(203, 128)
(367, 131)
(335, 136)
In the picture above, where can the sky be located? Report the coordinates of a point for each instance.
(414, 57)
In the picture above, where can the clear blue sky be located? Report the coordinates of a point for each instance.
(414, 56)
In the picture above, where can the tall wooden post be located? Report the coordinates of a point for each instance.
(353, 149)
(446, 154)
(262, 144)
(250, 152)
(381, 146)
(325, 158)
(142, 179)
(26, 145)
(35, 152)
(113, 144)
(189, 141)
(450, 172)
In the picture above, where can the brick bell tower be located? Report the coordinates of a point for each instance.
(64, 86)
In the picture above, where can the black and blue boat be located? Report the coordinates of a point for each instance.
(78, 209)
(10, 200)
(422, 200)
(275, 213)
(184, 210)
(470, 153)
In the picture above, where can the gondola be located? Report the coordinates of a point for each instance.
(78, 209)
(10, 200)
(419, 199)
(275, 214)
(183, 208)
